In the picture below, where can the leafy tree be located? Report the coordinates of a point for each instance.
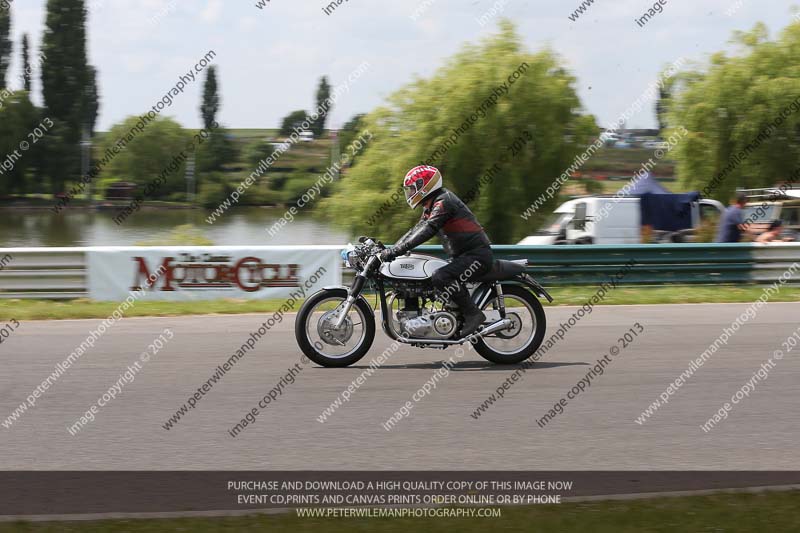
(92, 100)
(18, 117)
(55, 153)
(257, 150)
(423, 116)
(730, 104)
(351, 129)
(5, 43)
(217, 151)
(158, 147)
(210, 105)
(213, 190)
(26, 64)
(295, 118)
(349, 132)
(662, 104)
(65, 75)
(323, 94)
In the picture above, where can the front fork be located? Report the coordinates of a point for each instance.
(354, 292)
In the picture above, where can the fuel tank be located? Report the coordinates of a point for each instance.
(414, 266)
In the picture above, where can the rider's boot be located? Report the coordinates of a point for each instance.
(473, 317)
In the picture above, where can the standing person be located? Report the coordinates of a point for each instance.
(731, 225)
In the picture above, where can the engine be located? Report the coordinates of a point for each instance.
(438, 325)
(419, 322)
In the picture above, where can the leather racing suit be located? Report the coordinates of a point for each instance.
(463, 238)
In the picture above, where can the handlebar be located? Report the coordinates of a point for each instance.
(370, 241)
(368, 249)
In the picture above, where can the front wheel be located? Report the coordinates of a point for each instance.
(321, 341)
(509, 347)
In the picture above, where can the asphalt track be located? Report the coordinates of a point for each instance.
(596, 431)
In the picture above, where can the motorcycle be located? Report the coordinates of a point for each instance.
(335, 327)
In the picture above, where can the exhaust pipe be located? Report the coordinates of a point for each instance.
(488, 330)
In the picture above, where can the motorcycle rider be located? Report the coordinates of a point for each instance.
(463, 237)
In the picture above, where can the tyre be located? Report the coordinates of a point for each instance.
(530, 324)
(325, 345)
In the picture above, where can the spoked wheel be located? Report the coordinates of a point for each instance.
(323, 343)
(528, 325)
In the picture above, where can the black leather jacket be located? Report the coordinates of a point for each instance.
(452, 220)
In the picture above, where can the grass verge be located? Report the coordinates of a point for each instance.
(677, 294)
(674, 294)
(732, 513)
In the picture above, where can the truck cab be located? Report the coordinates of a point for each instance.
(606, 220)
(766, 205)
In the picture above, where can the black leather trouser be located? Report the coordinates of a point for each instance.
(449, 280)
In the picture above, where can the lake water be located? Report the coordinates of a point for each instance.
(80, 227)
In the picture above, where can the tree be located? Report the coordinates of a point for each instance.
(210, 104)
(218, 150)
(255, 151)
(18, 117)
(323, 96)
(26, 64)
(431, 121)
(158, 148)
(662, 108)
(55, 152)
(349, 132)
(65, 76)
(5, 42)
(665, 90)
(293, 120)
(92, 100)
(742, 115)
(351, 129)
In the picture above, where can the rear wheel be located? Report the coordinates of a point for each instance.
(323, 343)
(529, 324)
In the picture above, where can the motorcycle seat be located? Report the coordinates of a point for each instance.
(503, 270)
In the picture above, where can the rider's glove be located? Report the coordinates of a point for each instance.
(387, 255)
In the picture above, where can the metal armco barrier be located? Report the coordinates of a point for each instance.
(61, 273)
(47, 273)
(656, 264)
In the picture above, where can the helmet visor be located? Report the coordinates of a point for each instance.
(410, 191)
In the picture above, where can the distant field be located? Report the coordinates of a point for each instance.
(626, 161)
(578, 187)
(254, 133)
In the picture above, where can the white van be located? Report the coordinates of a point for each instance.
(581, 221)
(307, 136)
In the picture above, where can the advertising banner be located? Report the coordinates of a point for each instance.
(211, 272)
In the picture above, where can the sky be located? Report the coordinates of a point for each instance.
(270, 59)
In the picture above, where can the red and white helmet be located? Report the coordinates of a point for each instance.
(420, 182)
